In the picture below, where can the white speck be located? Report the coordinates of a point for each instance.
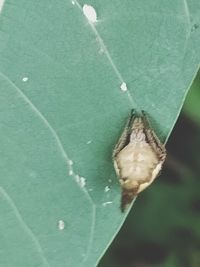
(101, 51)
(89, 142)
(90, 13)
(82, 181)
(123, 87)
(90, 189)
(61, 225)
(110, 181)
(25, 79)
(107, 203)
(70, 172)
(106, 189)
(70, 162)
(1, 4)
(73, 2)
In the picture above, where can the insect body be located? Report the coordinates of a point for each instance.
(138, 157)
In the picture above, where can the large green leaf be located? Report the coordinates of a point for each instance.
(62, 111)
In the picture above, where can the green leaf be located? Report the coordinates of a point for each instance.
(62, 111)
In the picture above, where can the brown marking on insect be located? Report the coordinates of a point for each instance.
(138, 157)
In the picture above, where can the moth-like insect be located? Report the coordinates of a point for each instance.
(138, 157)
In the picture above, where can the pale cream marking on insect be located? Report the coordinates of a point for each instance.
(156, 170)
(138, 170)
(24, 79)
(141, 157)
(136, 138)
(139, 162)
(106, 189)
(128, 160)
(116, 168)
(61, 225)
(154, 175)
(107, 203)
(143, 186)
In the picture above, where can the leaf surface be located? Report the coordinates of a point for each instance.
(63, 107)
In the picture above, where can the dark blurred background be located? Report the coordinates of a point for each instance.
(163, 227)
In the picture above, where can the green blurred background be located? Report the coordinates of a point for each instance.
(163, 227)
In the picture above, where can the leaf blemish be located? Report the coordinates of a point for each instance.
(106, 189)
(123, 87)
(70, 162)
(71, 173)
(24, 79)
(90, 13)
(194, 27)
(107, 203)
(61, 225)
(80, 180)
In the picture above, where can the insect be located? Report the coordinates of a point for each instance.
(138, 157)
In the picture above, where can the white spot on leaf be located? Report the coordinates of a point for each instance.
(106, 189)
(25, 79)
(80, 180)
(61, 225)
(1, 4)
(123, 87)
(107, 203)
(90, 13)
(70, 172)
(73, 2)
(70, 162)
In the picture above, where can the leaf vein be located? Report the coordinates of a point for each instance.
(52, 130)
(24, 224)
(107, 53)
